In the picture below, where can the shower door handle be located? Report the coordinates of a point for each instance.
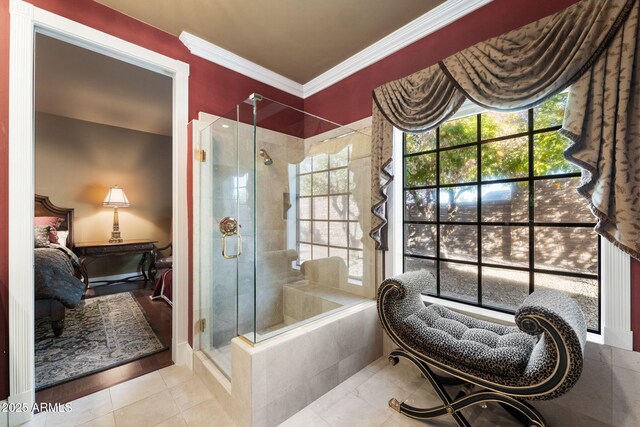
(229, 227)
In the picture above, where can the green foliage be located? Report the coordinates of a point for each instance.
(495, 124)
(505, 159)
(420, 170)
(500, 159)
(418, 142)
(547, 154)
(458, 165)
(459, 131)
(551, 112)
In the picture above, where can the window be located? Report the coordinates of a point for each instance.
(490, 208)
(327, 214)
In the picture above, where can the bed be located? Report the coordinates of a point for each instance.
(60, 280)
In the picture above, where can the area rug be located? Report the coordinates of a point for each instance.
(101, 333)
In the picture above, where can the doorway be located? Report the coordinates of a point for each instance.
(26, 21)
(102, 137)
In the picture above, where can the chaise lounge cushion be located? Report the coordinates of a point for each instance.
(454, 337)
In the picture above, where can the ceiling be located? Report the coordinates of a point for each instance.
(74, 82)
(299, 39)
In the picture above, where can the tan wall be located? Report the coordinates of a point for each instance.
(77, 162)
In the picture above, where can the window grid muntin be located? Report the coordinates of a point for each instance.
(311, 196)
(530, 224)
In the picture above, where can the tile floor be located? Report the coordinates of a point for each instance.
(173, 396)
(362, 400)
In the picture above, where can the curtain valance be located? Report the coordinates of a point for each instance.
(592, 47)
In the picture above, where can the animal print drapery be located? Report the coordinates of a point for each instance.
(591, 46)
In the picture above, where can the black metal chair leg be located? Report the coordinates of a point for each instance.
(522, 419)
(522, 411)
(439, 389)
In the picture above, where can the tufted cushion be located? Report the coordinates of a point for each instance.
(486, 346)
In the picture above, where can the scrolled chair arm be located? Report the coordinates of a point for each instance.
(556, 308)
(559, 322)
(400, 296)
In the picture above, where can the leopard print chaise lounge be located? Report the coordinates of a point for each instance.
(540, 359)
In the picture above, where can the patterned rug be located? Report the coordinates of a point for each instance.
(101, 333)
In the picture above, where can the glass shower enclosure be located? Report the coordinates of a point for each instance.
(283, 220)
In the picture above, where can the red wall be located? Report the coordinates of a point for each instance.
(212, 88)
(350, 99)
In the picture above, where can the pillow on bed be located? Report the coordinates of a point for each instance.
(52, 221)
(41, 236)
(62, 238)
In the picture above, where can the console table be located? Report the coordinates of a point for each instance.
(88, 251)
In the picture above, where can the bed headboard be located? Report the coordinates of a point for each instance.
(44, 207)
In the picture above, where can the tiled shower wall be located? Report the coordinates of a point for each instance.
(274, 213)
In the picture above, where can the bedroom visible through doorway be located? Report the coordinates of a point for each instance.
(103, 309)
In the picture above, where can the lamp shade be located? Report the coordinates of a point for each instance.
(116, 198)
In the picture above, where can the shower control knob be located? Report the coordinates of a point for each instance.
(228, 226)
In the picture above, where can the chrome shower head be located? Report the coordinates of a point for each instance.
(267, 159)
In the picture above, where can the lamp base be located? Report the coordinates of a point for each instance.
(115, 233)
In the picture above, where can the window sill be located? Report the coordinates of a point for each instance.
(491, 315)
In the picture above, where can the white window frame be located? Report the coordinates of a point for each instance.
(615, 265)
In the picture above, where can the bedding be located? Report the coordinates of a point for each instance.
(62, 238)
(41, 236)
(54, 275)
(52, 221)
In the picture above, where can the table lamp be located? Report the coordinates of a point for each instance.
(116, 199)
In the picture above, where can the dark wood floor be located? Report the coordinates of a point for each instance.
(159, 315)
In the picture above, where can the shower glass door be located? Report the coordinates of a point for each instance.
(281, 239)
(226, 233)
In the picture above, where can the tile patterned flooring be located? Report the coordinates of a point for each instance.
(173, 396)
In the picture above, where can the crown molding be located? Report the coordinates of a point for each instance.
(430, 22)
(439, 17)
(227, 59)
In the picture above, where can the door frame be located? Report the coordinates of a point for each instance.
(25, 21)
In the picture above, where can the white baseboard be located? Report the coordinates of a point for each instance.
(184, 355)
(24, 400)
(618, 338)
